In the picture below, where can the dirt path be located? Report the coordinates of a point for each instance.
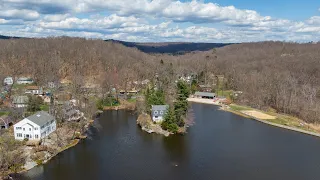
(258, 115)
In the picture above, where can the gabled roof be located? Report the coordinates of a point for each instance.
(206, 94)
(20, 100)
(157, 108)
(5, 120)
(40, 118)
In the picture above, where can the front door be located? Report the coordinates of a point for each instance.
(27, 136)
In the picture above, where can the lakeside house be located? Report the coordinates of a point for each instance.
(5, 122)
(158, 112)
(35, 127)
(24, 80)
(205, 88)
(8, 81)
(35, 90)
(204, 95)
(20, 101)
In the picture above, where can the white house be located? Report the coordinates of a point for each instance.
(35, 127)
(8, 81)
(35, 90)
(24, 80)
(158, 112)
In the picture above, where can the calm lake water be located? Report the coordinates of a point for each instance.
(220, 146)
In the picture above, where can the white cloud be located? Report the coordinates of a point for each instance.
(55, 17)
(315, 20)
(94, 24)
(19, 14)
(150, 20)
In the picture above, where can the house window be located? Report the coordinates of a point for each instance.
(35, 128)
(156, 116)
(30, 136)
(161, 112)
(155, 112)
(19, 135)
(18, 128)
(29, 129)
(37, 136)
(23, 129)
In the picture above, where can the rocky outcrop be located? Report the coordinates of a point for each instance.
(146, 124)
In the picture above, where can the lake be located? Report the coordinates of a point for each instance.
(220, 145)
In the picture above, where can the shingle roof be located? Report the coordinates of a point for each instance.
(206, 94)
(6, 119)
(20, 99)
(157, 108)
(41, 118)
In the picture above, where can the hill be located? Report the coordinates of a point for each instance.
(272, 75)
(8, 37)
(171, 47)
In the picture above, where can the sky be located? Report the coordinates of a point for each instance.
(217, 21)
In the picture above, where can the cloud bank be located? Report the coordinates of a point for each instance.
(149, 20)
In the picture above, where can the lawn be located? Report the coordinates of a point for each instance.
(132, 100)
(3, 113)
(226, 93)
(239, 108)
(44, 107)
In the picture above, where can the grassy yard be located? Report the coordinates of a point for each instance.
(226, 93)
(132, 100)
(239, 108)
(44, 107)
(3, 113)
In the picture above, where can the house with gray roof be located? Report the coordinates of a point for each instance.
(20, 101)
(35, 127)
(204, 95)
(158, 112)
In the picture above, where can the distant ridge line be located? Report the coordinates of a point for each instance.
(171, 47)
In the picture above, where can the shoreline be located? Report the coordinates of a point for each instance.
(239, 113)
(69, 146)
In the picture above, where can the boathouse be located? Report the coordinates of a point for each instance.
(205, 95)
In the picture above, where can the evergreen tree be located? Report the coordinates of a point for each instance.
(181, 104)
(169, 122)
(34, 103)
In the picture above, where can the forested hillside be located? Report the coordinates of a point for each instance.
(172, 48)
(284, 76)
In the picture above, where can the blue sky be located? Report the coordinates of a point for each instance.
(164, 20)
(289, 9)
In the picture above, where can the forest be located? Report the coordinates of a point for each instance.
(279, 75)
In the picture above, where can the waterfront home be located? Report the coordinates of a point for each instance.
(35, 90)
(20, 101)
(158, 112)
(8, 81)
(205, 88)
(205, 95)
(5, 121)
(35, 127)
(24, 80)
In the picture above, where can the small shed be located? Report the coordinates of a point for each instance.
(5, 122)
(205, 95)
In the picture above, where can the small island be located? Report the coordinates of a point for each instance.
(164, 112)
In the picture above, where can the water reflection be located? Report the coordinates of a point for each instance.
(220, 145)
